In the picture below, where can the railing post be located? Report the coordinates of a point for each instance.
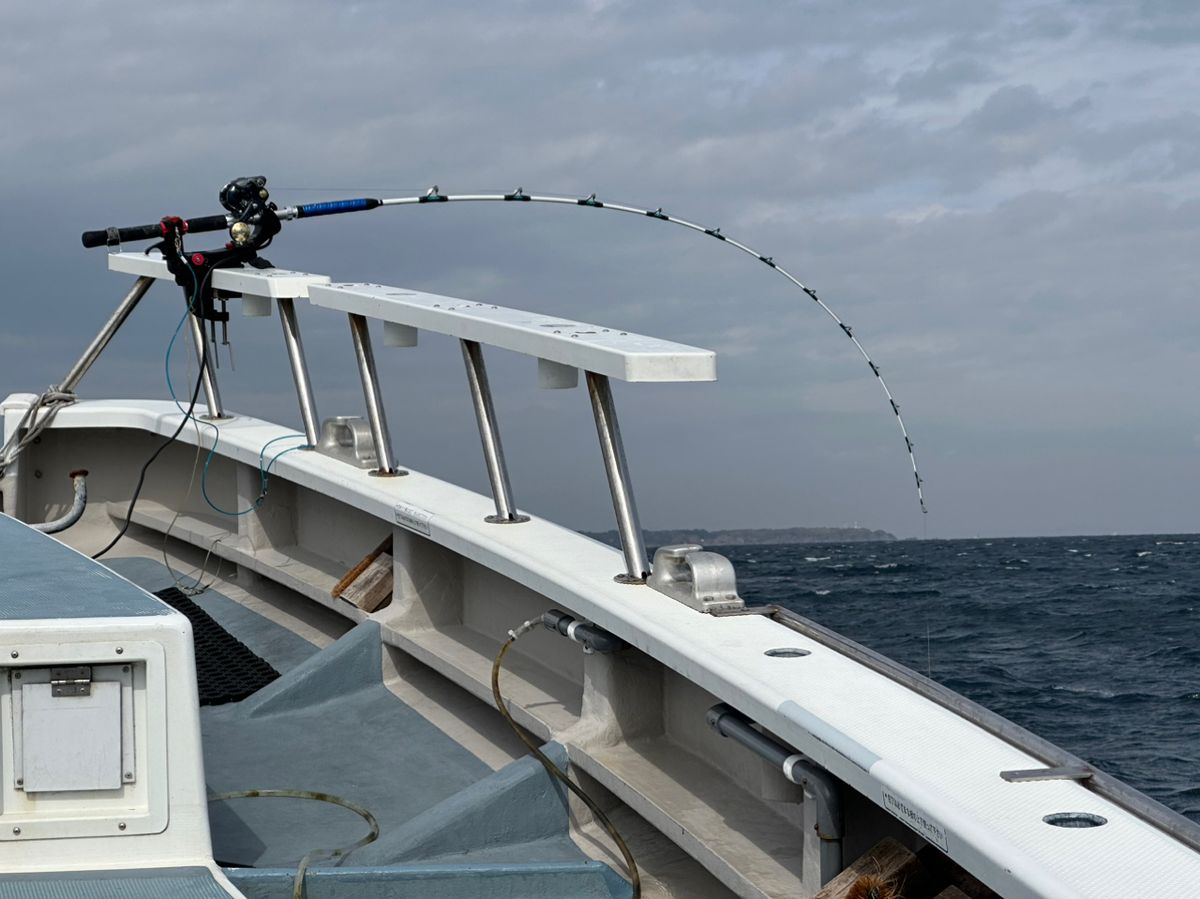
(212, 393)
(100, 341)
(376, 417)
(489, 435)
(295, 351)
(611, 448)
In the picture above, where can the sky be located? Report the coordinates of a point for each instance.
(1002, 199)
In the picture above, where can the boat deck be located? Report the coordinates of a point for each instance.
(330, 725)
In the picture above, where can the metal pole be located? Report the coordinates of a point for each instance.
(100, 341)
(489, 435)
(611, 448)
(212, 394)
(295, 351)
(370, 381)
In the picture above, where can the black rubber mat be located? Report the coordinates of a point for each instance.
(226, 670)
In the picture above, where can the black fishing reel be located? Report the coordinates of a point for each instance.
(253, 218)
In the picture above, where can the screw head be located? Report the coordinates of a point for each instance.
(120, 650)
(124, 667)
(17, 831)
(129, 775)
(15, 654)
(121, 826)
(20, 781)
(16, 675)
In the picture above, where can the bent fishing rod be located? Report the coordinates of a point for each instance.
(252, 221)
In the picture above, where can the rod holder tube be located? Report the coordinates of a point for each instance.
(101, 340)
(823, 786)
(295, 351)
(489, 435)
(376, 418)
(619, 484)
(212, 393)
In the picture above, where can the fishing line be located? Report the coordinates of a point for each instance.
(434, 196)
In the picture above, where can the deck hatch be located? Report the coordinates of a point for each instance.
(72, 728)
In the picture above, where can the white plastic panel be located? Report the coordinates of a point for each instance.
(606, 351)
(259, 282)
(70, 742)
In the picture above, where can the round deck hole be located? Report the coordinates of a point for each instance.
(787, 652)
(1075, 819)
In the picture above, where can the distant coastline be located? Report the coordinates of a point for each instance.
(751, 536)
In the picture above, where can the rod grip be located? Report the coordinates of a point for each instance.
(197, 225)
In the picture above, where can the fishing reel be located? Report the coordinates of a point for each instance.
(253, 218)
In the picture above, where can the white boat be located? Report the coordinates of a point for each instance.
(738, 751)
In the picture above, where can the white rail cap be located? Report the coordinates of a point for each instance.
(274, 283)
(605, 351)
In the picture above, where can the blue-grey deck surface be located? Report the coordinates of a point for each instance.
(450, 826)
(153, 883)
(42, 578)
(282, 648)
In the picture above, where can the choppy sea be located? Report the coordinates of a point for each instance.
(1090, 642)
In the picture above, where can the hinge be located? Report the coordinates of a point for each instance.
(73, 681)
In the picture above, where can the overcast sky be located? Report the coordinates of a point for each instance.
(1002, 199)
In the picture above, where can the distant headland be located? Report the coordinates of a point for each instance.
(751, 536)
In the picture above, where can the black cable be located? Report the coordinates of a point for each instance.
(142, 475)
(187, 416)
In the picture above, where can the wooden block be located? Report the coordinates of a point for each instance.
(372, 588)
(888, 862)
(353, 573)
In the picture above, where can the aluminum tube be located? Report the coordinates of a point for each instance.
(376, 417)
(295, 351)
(212, 393)
(489, 435)
(100, 341)
(613, 451)
(78, 504)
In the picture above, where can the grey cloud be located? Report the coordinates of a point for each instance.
(1019, 319)
(941, 80)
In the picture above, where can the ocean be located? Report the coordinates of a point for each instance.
(1090, 642)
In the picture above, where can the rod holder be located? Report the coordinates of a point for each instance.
(611, 448)
(295, 351)
(376, 417)
(212, 393)
(489, 435)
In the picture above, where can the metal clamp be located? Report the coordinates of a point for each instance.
(704, 581)
(348, 438)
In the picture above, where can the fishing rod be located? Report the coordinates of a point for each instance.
(253, 221)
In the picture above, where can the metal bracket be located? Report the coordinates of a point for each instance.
(1067, 772)
(73, 681)
(704, 581)
(348, 438)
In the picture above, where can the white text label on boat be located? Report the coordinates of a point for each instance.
(916, 819)
(413, 518)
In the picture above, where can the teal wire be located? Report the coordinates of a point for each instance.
(263, 473)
